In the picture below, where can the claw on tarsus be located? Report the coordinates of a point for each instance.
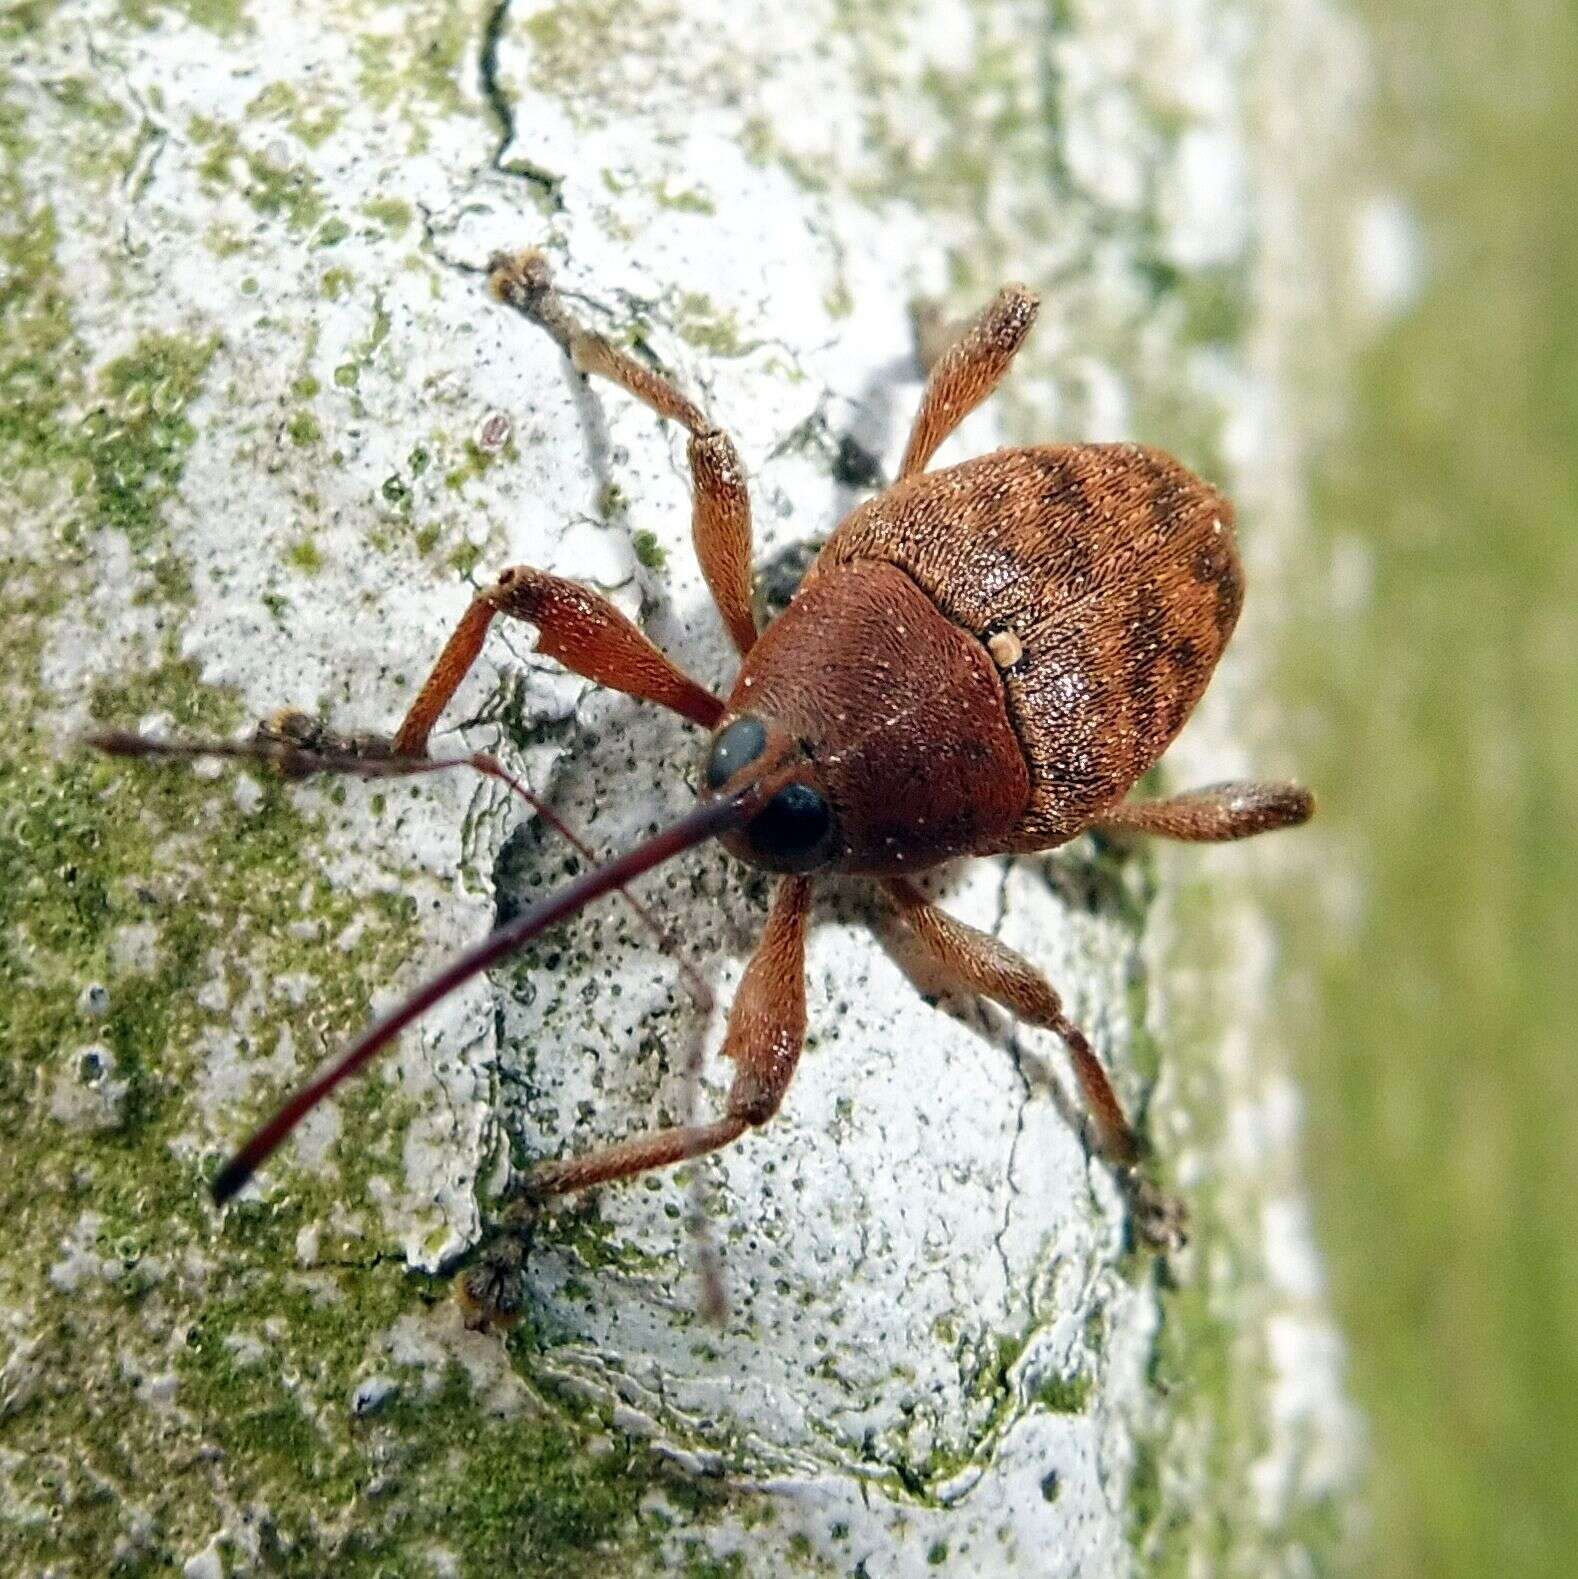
(1161, 1221)
(489, 1289)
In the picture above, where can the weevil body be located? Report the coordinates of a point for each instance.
(982, 660)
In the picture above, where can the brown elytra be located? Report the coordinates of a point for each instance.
(982, 660)
(985, 659)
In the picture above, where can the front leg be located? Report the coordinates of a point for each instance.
(765, 1034)
(583, 631)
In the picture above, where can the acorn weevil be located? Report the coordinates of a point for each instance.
(981, 660)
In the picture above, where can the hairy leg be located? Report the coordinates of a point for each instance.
(968, 371)
(721, 518)
(766, 1031)
(980, 963)
(585, 632)
(1216, 813)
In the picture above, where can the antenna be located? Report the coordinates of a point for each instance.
(299, 761)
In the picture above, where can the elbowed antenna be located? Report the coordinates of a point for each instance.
(301, 760)
(705, 822)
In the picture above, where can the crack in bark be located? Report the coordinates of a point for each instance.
(1016, 1055)
(364, 1263)
(152, 134)
(548, 185)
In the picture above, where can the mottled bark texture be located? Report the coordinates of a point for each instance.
(262, 435)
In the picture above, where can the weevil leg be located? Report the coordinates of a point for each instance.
(982, 964)
(294, 730)
(1214, 814)
(721, 511)
(585, 632)
(765, 1034)
(968, 371)
(489, 1288)
(659, 1149)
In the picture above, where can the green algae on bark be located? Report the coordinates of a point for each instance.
(160, 1364)
(1435, 665)
(199, 931)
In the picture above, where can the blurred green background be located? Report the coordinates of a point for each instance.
(1441, 1068)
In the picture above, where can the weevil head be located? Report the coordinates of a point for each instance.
(795, 830)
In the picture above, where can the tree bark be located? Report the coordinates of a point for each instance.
(263, 433)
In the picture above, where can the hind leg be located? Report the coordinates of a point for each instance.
(968, 371)
(1217, 813)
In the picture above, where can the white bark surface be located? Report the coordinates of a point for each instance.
(938, 1353)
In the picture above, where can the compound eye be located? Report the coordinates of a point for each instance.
(792, 827)
(735, 747)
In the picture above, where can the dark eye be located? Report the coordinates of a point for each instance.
(792, 827)
(735, 747)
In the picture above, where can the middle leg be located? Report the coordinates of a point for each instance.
(982, 964)
(721, 519)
